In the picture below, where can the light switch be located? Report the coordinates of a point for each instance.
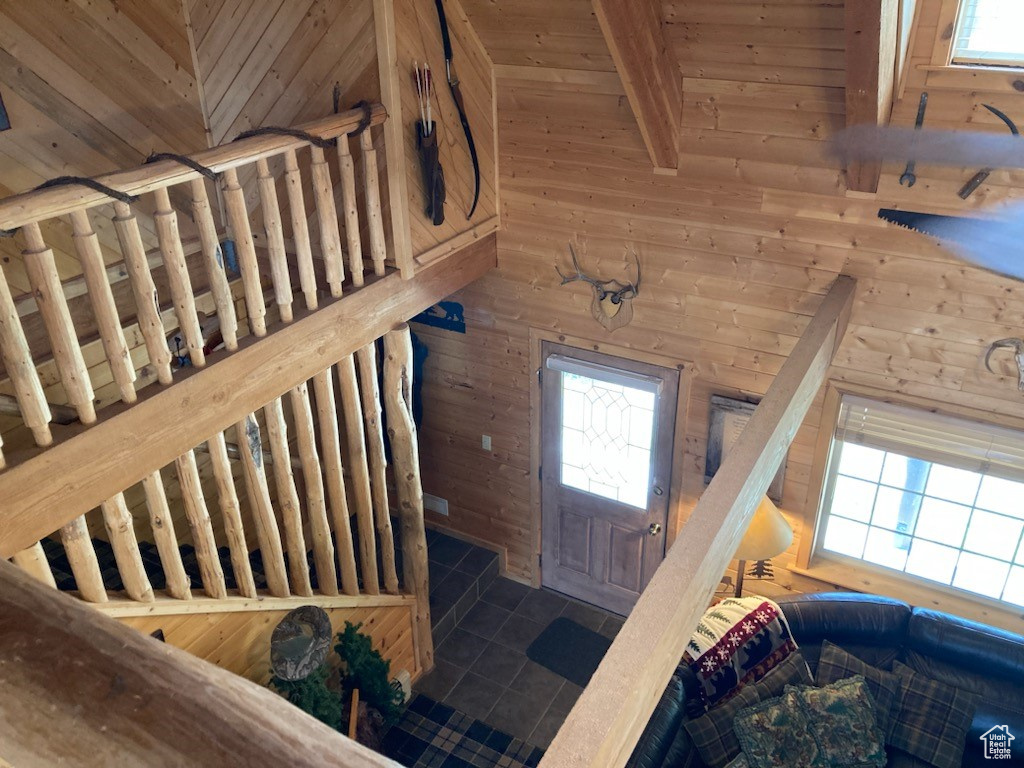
(485, 442)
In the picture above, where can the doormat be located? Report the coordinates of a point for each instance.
(569, 649)
(434, 735)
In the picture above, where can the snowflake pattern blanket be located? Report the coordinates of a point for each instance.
(737, 642)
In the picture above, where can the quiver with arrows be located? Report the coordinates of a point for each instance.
(433, 173)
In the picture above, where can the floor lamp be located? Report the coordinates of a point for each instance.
(767, 536)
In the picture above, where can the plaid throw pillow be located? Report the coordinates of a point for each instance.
(932, 719)
(713, 734)
(836, 664)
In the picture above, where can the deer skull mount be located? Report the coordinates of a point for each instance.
(611, 305)
(1017, 345)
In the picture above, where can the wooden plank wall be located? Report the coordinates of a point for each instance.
(418, 36)
(737, 250)
(240, 641)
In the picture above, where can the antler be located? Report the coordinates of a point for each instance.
(630, 290)
(599, 285)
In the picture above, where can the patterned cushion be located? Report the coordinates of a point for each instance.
(776, 734)
(836, 664)
(932, 719)
(843, 724)
(739, 762)
(712, 733)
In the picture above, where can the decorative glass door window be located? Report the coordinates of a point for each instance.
(607, 430)
(936, 497)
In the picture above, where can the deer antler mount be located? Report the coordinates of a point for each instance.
(612, 302)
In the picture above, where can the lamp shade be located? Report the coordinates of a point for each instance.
(767, 536)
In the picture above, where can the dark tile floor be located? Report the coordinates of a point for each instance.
(481, 667)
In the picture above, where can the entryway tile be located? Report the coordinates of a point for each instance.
(441, 680)
(505, 593)
(461, 648)
(517, 633)
(475, 696)
(541, 605)
(585, 615)
(539, 683)
(484, 619)
(515, 713)
(499, 664)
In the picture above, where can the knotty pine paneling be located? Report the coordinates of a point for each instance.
(737, 252)
(240, 641)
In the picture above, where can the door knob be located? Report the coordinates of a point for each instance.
(654, 530)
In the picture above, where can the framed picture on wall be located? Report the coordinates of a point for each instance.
(726, 420)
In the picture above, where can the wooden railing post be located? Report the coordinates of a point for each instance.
(327, 216)
(234, 201)
(147, 302)
(250, 444)
(33, 562)
(275, 240)
(102, 298)
(214, 258)
(42, 274)
(177, 276)
(19, 366)
(348, 200)
(232, 514)
(121, 534)
(378, 463)
(300, 228)
(198, 515)
(398, 367)
(320, 529)
(82, 559)
(371, 188)
(178, 583)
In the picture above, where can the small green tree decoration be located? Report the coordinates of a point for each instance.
(312, 695)
(365, 669)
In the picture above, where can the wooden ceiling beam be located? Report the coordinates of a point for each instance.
(871, 42)
(650, 75)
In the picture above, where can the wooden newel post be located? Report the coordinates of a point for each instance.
(406, 461)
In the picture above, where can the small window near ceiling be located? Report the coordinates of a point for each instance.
(990, 33)
(937, 498)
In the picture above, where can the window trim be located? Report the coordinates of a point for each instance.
(862, 576)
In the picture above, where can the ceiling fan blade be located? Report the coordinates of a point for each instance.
(995, 244)
(972, 149)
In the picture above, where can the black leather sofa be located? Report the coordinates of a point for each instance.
(974, 657)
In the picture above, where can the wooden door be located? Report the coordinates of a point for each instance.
(606, 462)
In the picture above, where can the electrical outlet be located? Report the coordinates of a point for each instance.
(435, 504)
(485, 442)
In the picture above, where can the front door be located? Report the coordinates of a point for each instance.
(606, 460)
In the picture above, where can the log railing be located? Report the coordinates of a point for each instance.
(157, 187)
(336, 444)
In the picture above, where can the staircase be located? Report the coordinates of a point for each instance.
(236, 462)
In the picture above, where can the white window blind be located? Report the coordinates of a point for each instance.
(955, 442)
(990, 32)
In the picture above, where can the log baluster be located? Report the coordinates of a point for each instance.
(33, 561)
(232, 514)
(45, 281)
(234, 201)
(287, 497)
(87, 245)
(82, 559)
(215, 269)
(374, 219)
(327, 415)
(349, 204)
(327, 216)
(300, 228)
(275, 240)
(250, 444)
(121, 533)
(147, 303)
(398, 368)
(359, 473)
(320, 530)
(166, 219)
(177, 582)
(198, 516)
(370, 391)
(21, 370)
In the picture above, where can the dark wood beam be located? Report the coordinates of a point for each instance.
(45, 488)
(871, 43)
(650, 75)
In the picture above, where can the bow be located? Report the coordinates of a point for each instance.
(453, 85)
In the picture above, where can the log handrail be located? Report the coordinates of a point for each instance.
(608, 719)
(28, 207)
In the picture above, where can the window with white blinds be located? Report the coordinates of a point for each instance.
(989, 33)
(934, 496)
